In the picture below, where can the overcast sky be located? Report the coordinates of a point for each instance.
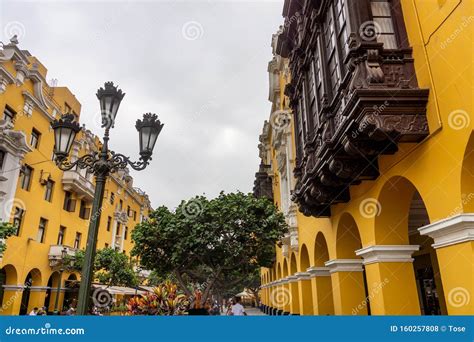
(200, 65)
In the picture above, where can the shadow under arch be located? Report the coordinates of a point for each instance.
(323, 296)
(295, 295)
(33, 279)
(306, 302)
(8, 276)
(347, 238)
(402, 212)
(350, 294)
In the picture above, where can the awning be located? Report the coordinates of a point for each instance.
(119, 290)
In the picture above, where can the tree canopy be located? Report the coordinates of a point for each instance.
(111, 267)
(216, 242)
(6, 230)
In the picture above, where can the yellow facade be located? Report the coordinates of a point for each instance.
(403, 244)
(30, 255)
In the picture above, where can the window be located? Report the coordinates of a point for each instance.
(106, 245)
(84, 211)
(120, 205)
(67, 108)
(2, 158)
(129, 211)
(26, 173)
(382, 16)
(117, 233)
(125, 233)
(35, 137)
(112, 198)
(134, 215)
(77, 241)
(61, 234)
(341, 25)
(109, 223)
(18, 219)
(9, 114)
(41, 230)
(331, 52)
(69, 203)
(48, 193)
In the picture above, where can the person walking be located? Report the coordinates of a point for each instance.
(237, 308)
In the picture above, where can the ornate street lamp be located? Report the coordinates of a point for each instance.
(101, 164)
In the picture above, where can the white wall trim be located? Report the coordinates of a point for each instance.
(292, 278)
(318, 271)
(344, 265)
(387, 253)
(303, 275)
(450, 231)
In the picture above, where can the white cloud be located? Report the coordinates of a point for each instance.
(210, 92)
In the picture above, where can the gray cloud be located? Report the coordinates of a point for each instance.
(210, 92)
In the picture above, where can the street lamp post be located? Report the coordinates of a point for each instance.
(58, 290)
(101, 164)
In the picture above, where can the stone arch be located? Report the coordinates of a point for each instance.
(285, 272)
(11, 274)
(8, 276)
(403, 211)
(323, 298)
(347, 238)
(30, 299)
(391, 219)
(293, 264)
(304, 258)
(321, 251)
(467, 176)
(295, 293)
(306, 300)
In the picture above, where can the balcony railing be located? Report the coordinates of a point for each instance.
(75, 182)
(55, 254)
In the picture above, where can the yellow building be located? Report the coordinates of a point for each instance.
(382, 127)
(51, 208)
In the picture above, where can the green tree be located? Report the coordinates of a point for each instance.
(207, 241)
(111, 267)
(6, 230)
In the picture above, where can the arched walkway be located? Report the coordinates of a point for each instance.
(401, 260)
(322, 285)
(347, 274)
(71, 294)
(9, 290)
(305, 290)
(33, 296)
(295, 297)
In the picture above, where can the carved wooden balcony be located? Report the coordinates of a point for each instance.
(375, 105)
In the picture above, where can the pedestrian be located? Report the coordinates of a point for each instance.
(230, 303)
(237, 308)
(33, 312)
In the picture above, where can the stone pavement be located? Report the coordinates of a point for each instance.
(254, 312)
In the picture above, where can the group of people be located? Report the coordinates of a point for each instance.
(43, 311)
(39, 311)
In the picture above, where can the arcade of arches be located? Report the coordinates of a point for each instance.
(395, 237)
(20, 294)
(388, 258)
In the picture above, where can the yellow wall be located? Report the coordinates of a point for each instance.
(24, 254)
(440, 168)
